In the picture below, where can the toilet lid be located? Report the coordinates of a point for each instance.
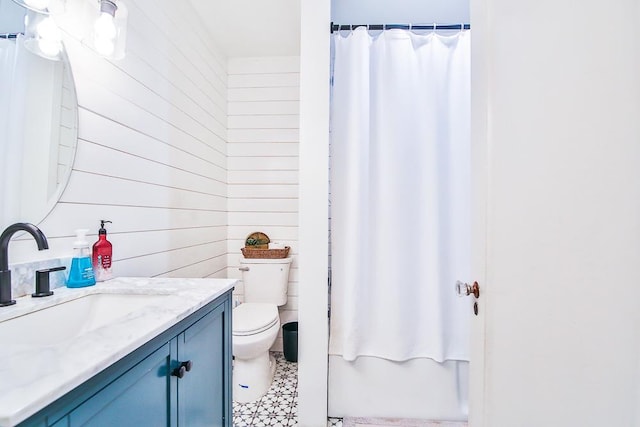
(252, 318)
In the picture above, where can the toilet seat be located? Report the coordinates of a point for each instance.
(253, 318)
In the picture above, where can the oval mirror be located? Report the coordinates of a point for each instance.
(38, 123)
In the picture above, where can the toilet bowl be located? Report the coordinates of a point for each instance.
(255, 328)
(256, 324)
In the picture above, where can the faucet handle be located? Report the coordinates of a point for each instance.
(5, 289)
(42, 282)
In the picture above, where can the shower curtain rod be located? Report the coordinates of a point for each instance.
(433, 27)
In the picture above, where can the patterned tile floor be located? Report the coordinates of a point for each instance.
(276, 408)
(279, 407)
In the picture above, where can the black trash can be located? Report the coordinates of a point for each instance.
(290, 341)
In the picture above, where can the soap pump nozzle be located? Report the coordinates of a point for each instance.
(81, 238)
(103, 230)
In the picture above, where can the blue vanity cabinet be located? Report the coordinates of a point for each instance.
(203, 390)
(147, 387)
(141, 397)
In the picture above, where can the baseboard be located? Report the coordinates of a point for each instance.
(400, 422)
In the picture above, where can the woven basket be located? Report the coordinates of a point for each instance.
(257, 240)
(250, 252)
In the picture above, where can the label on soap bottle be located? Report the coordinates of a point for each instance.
(103, 268)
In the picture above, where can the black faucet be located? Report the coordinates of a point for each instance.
(5, 273)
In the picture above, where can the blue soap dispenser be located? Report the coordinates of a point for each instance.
(81, 272)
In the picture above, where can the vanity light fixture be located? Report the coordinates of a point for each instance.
(42, 35)
(49, 37)
(109, 29)
(100, 24)
(104, 29)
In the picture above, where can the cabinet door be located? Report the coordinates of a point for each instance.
(202, 392)
(140, 397)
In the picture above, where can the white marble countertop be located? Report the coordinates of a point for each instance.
(33, 376)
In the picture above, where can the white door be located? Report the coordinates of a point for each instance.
(556, 115)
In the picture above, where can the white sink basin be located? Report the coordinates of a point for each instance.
(72, 318)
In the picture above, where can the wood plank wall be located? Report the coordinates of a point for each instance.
(151, 153)
(263, 135)
(183, 165)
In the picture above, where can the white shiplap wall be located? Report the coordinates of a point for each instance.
(151, 153)
(263, 135)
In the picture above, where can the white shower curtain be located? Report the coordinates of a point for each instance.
(400, 183)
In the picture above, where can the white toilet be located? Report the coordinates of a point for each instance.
(256, 323)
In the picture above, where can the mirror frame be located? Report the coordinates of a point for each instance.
(40, 215)
(55, 197)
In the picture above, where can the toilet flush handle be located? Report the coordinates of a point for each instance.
(243, 268)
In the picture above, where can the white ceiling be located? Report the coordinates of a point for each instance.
(252, 27)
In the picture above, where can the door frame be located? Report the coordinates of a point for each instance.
(313, 238)
(313, 223)
(480, 85)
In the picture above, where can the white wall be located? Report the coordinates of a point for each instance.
(399, 11)
(314, 223)
(151, 152)
(11, 17)
(263, 131)
(563, 245)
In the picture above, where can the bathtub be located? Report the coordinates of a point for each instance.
(379, 388)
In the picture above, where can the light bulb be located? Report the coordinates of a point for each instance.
(109, 33)
(104, 27)
(104, 46)
(48, 29)
(49, 48)
(49, 37)
(38, 4)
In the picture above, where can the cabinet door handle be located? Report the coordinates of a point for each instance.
(182, 369)
(179, 371)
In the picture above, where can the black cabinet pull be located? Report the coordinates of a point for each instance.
(179, 371)
(182, 369)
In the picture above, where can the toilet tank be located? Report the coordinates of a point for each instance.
(265, 280)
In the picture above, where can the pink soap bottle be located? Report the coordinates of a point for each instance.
(102, 252)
